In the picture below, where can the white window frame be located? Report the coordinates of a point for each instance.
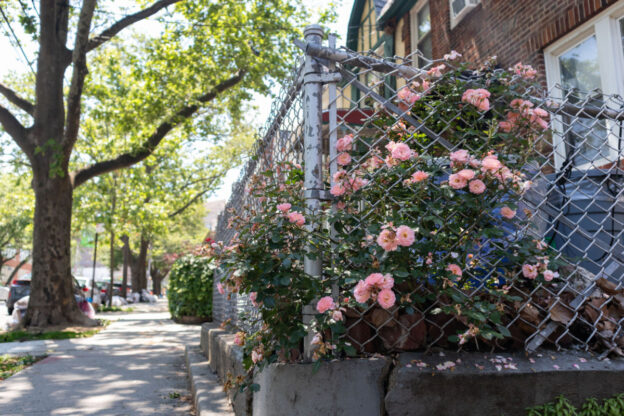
(456, 18)
(605, 26)
(414, 39)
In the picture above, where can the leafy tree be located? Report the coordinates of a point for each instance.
(205, 61)
(16, 209)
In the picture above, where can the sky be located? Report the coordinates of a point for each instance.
(13, 61)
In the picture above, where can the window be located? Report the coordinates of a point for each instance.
(581, 68)
(420, 29)
(460, 8)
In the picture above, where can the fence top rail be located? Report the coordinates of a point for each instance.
(345, 56)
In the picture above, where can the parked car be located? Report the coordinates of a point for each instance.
(18, 289)
(21, 287)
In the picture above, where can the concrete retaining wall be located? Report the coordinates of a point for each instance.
(416, 384)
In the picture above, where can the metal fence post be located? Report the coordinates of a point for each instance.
(312, 143)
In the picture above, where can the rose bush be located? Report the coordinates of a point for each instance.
(428, 245)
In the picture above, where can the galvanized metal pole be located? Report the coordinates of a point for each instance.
(333, 139)
(313, 157)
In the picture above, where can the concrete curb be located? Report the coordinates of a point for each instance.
(208, 396)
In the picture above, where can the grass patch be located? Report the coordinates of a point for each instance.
(115, 309)
(68, 333)
(10, 365)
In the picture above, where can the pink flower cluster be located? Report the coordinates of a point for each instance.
(399, 152)
(326, 304)
(347, 184)
(452, 56)
(531, 271)
(418, 176)
(524, 114)
(477, 98)
(454, 269)
(343, 182)
(239, 338)
(436, 71)
(294, 216)
(390, 239)
(377, 287)
(407, 98)
(525, 71)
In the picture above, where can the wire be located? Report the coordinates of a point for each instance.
(19, 45)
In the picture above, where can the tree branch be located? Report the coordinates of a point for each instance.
(16, 99)
(128, 159)
(15, 129)
(79, 61)
(127, 21)
(189, 203)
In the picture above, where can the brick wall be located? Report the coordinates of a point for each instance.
(513, 30)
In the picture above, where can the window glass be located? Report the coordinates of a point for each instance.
(424, 22)
(580, 79)
(457, 6)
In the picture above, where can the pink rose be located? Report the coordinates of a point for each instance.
(387, 240)
(452, 56)
(361, 293)
(505, 126)
(358, 183)
(404, 236)
(343, 159)
(491, 164)
(454, 269)
(408, 96)
(507, 212)
(467, 174)
(296, 218)
(386, 298)
(324, 304)
(337, 316)
(345, 143)
(256, 356)
(284, 207)
(387, 282)
(239, 339)
(374, 280)
(460, 156)
(436, 71)
(419, 176)
(252, 297)
(340, 175)
(337, 190)
(477, 98)
(457, 182)
(550, 275)
(529, 271)
(401, 151)
(220, 288)
(476, 186)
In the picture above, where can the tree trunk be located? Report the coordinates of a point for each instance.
(142, 264)
(158, 275)
(126, 261)
(52, 299)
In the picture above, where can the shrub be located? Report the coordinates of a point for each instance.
(190, 287)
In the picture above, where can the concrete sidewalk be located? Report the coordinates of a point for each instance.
(134, 367)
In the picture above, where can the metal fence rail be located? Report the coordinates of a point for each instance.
(575, 203)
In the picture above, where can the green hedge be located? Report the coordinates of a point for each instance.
(613, 406)
(190, 287)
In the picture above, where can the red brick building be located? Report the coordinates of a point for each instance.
(531, 31)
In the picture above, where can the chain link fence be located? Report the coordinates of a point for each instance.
(281, 140)
(574, 204)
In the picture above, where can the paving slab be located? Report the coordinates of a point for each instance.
(134, 367)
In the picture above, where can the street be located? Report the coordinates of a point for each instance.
(134, 367)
